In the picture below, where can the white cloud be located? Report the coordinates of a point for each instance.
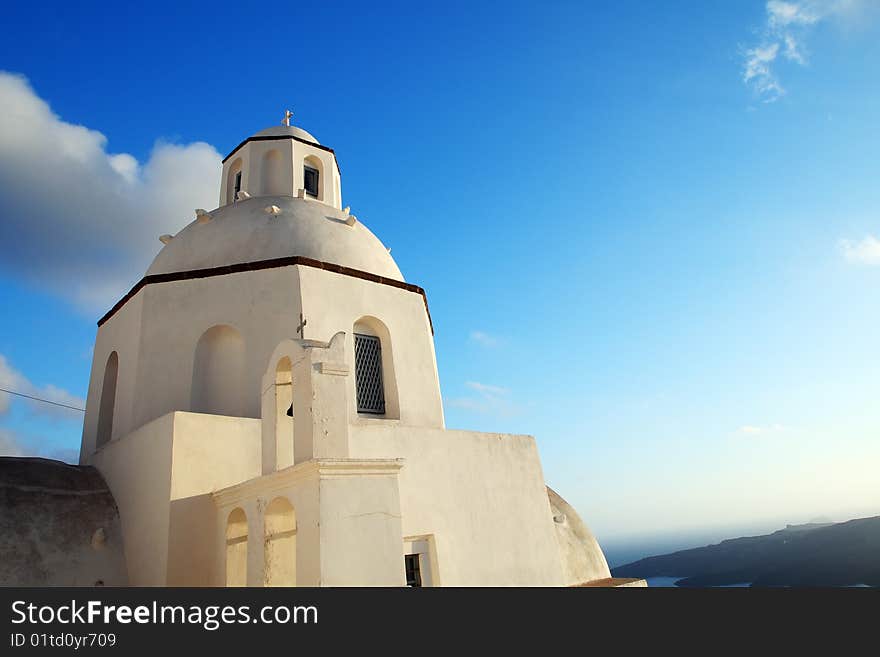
(782, 14)
(864, 252)
(759, 74)
(787, 27)
(126, 166)
(13, 443)
(484, 339)
(794, 51)
(487, 390)
(10, 444)
(489, 400)
(12, 379)
(79, 220)
(758, 430)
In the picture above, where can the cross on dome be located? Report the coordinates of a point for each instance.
(287, 116)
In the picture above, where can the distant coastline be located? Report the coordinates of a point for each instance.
(814, 554)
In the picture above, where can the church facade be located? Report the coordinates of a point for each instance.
(265, 407)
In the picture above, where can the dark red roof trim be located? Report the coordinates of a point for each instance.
(265, 264)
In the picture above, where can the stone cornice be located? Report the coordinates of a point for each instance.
(280, 480)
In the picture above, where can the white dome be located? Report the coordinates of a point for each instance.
(286, 131)
(582, 559)
(243, 232)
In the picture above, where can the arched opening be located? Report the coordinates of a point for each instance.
(236, 548)
(284, 413)
(218, 371)
(233, 181)
(375, 384)
(313, 177)
(108, 401)
(271, 174)
(280, 544)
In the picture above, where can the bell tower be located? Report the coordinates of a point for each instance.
(281, 161)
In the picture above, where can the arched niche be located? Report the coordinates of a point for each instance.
(280, 543)
(272, 174)
(218, 372)
(107, 407)
(236, 548)
(314, 163)
(234, 180)
(364, 350)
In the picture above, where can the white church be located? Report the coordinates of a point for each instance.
(265, 410)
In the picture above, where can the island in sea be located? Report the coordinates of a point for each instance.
(815, 554)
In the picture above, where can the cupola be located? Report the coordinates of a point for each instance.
(281, 161)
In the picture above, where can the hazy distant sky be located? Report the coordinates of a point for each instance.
(649, 232)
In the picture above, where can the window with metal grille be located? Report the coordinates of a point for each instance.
(310, 176)
(413, 570)
(368, 374)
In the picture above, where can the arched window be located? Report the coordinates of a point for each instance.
(280, 544)
(376, 391)
(283, 414)
(313, 177)
(271, 174)
(108, 401)
(218, 371)
(233, 181)
(236, 548)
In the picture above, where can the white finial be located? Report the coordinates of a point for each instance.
(287, 116)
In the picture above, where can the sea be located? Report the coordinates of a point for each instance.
(661, 582)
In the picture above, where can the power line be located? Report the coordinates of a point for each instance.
(45, 401)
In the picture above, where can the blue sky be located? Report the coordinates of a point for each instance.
(647, 231)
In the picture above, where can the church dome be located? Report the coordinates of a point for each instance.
(582, 559)
(245, 232)
(286, 131)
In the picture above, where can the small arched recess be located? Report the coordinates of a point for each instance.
(107, 407)
(234, 180)
(236, 548)
(271, 174)
(313, 165)
(218, 372)
(280, 544)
